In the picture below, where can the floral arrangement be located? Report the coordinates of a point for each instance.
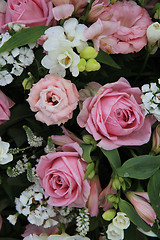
(79, 119)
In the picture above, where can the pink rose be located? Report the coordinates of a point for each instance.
(29, 12)
(125, 30)
(5, 104)
(54, 99)
(2, 13)
(61, 175)
(114, 116)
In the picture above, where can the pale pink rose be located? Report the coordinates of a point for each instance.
(64, 8)
(34, 229)
(61, 175)
(29, 12)
(93, 200)
(5, 104)
(114, 116)
(54, 99)
(125, 30)
(140, 201)
(103, 196)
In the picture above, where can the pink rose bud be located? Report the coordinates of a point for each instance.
(93, 200)
(103, 196)
(142, 206)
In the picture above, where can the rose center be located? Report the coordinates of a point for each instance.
(122, 114)
(51, 98)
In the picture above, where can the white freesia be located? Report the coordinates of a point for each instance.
(114, 233)
(60, 45)
(153, 33)
(121, 221)
(5, 157)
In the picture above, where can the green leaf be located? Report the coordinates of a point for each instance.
(113, 158)
(87, 148)
(132, 214)
(105, 58)
(154, 192)
(23, 37)
(140, 167)
(90, 168)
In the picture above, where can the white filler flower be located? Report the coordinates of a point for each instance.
(60, 45)
(114, 233)
(121, 221)
(5, 157)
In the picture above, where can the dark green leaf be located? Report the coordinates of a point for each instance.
(23, 37)
(141, 167)
(132, 214)
(106, 59)
(113, 158)
(154, 192)
(87, 148)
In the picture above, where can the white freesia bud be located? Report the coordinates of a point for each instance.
(153, 33)
(114, 233)
(121, 221)
(5, 157)
(12, 219)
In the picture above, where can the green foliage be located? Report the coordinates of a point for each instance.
(113, 158)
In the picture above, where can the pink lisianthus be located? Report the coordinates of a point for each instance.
(29, 12)
(64, 8)
(103, 196)
(54, 99)
(97, 9)
(114, 116)
(61, 175)
(140, 201)
(93, 200)
(5, 104)
(124, 32)
(34, 229)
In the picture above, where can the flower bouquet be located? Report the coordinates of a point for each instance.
(79, 119)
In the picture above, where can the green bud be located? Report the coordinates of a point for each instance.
(111, 198)
(109, 214)
(87, 139)
(121, 179)
(82, 65)
(88, 53)
(91, 175)
(115, 205)
(157, 14)
(116, 184)
(123, 186)
(92, 65)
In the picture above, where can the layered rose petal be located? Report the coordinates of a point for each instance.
(5, 104)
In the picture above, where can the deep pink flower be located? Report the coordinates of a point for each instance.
(5, 104)
(140, 201)
(114, 116)
(125, 30)
(61, 175)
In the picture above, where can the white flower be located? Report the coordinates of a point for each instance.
(5, 157)
(153, 33)
(60, 45)
(12, 219)
(49, 223)
(121, 221)
(17, 68)
(114, 233)
(26, 56)
(5, 78)
(65, 236)
(43, 236)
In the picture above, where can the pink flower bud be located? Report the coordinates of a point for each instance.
(93, 200)
(140, 201)
(156, 140)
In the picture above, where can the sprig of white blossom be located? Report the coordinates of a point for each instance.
(82, 222)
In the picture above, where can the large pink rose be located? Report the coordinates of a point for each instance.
(125, 30)
(62, 177)
(54, 99)
(114, 116)
(29, 12)
(5, 104)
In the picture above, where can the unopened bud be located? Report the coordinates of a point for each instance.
(111, 198)
(92, 65)
(28, 82)
(91, 175)
(157, 14)
(88, 53)
(153, 33)
(123, 186)
(82, 65)
(109, 214)
(156, 140)
(116, 184)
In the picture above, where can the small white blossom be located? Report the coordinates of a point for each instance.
(5, 78)
(26, 56)
(121, 221)
(5, 157)
(12, 219)
(82, 222)
(114, 233)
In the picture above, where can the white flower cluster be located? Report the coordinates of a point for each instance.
(33, 205)
(32, 139)
(151, 99)
(18, 59)
(5, 156)
(60, 45)
(65, 214)
(82, 222)
(115, 229)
